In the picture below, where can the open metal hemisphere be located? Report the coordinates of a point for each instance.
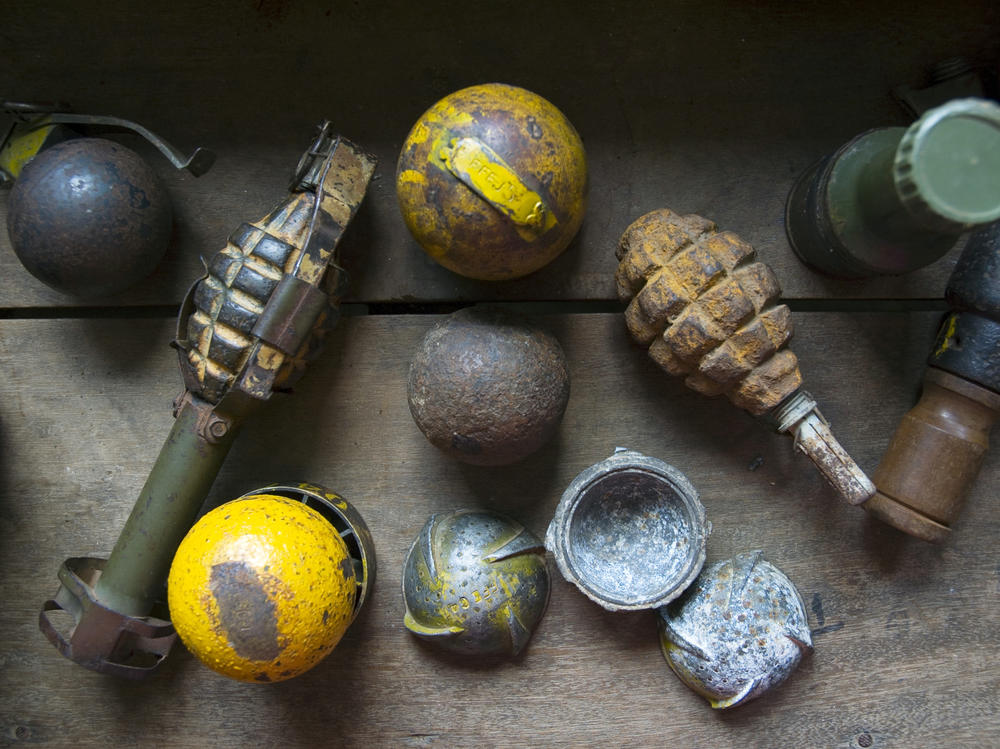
(629, 532)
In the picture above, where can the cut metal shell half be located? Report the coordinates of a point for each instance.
(629, 532)
(740, 630)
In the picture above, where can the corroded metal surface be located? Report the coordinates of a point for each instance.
(476, 583)
(738, 631)
(488, 387)
(89, 218)
(629, 532)
(799, 416)
(102, 639)
(243, 333)
(258, 316)
(492, 182)
(707, 311)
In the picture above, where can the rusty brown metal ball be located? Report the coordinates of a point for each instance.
(89, 218)
(487, 386)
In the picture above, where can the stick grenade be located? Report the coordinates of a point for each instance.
(245, 330)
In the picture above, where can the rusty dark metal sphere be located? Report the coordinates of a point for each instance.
(488, 387)
(89, 218)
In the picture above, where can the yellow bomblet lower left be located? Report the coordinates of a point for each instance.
(264, 587)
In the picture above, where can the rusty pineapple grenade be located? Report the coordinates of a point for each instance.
(707, 310)
(230, 299)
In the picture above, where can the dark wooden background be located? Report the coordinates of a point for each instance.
(711, 107)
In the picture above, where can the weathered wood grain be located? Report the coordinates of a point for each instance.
(906, 634)
(705, 107)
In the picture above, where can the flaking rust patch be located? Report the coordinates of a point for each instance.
(697, 298)
(347, 568)
(246, 612)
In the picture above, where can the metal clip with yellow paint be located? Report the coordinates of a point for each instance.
(482, 169)
(245, 330)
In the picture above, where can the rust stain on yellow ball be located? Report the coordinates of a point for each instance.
(492, 182)
(261, 589)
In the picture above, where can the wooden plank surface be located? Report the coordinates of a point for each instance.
(906, 634)
(707, 107)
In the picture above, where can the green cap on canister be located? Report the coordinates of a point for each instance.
(947, 166)
(893, 200)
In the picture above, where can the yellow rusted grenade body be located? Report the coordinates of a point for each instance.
(261, 589)
(492, 182)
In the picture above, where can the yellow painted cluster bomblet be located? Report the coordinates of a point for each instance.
(492, 182)
(262, 588)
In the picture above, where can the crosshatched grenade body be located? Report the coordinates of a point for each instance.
(227, 305)
(707, 310)
(492, 182)
(475, 583)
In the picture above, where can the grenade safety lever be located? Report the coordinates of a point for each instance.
(707, 310)
(245, 330)
(39, 125)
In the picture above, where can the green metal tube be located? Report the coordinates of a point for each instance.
(877, 198)
(166, 509)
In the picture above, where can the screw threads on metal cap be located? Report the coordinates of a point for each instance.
(947, 166)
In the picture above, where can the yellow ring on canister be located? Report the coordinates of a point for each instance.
(261, 589)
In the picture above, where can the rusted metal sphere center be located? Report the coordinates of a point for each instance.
(629, 532)
(487, 386)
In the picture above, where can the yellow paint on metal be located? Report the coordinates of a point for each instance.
(498, 596)
(503, 181)
(482, 169)
(326, 494)
(261, 589)
(412, 176)
(22, 148)
(947, 337)
(677, 665)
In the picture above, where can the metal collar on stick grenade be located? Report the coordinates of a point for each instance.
(245, 330)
